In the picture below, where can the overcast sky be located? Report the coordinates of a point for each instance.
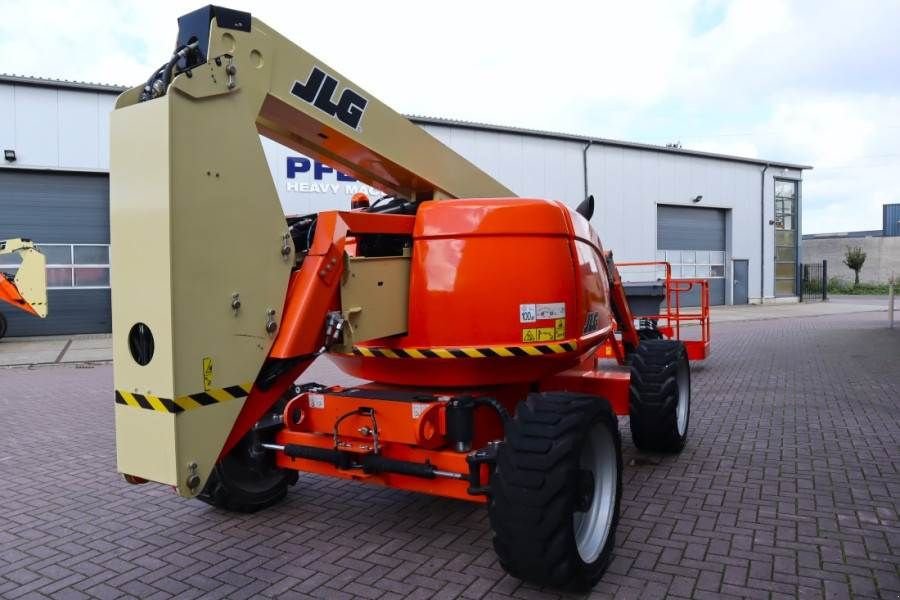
(812, 82)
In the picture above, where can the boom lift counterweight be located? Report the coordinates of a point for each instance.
(490, 374)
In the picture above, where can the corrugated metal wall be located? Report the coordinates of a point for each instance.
(628, 185)
(689, 228)
(67, 129)
(891, 219)
(56, 128)
(67, 208)
(694, 228)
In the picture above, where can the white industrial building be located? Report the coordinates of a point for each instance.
(730, 219)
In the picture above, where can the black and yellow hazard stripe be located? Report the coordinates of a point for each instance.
(468, 352)
(182, 403)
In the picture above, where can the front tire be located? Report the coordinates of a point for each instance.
(556, 490)
(2, 325)
(247, 480)
(660, 396)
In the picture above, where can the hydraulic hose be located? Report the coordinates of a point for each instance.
(496, 405)
(170, 67)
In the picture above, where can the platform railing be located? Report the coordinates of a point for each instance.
(676, 317)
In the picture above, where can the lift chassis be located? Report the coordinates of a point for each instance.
(495, 330)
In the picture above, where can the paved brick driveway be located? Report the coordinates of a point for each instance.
(789, 487)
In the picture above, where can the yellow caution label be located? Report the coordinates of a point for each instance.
(207, 373)
(559, 330)
(538, 334)
(470, 352)
(192, 401)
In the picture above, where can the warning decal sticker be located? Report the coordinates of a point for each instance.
(538, 334)
(526, 313)
(529, 313)
(207, 373)
(559, 330)
(554, 310)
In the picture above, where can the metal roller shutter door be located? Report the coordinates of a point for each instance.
(690, 228)
(58, 208)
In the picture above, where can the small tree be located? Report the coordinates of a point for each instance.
(854, 258)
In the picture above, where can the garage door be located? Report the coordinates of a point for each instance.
(67, 214)
(692, 239)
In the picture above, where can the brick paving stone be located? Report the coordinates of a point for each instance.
(789, 487)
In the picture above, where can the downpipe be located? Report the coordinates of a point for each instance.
(762, 234)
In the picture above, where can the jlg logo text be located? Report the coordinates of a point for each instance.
(319, 91)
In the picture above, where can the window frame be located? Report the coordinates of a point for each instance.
(71, 266)
(780, 203)
(678, 266)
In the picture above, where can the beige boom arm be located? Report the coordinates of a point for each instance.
(297, 100)
(201, 251)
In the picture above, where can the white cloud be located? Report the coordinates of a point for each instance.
(796, 80)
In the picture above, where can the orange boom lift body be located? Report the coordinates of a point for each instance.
(495, 331)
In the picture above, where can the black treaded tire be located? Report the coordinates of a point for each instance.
(649, 333)
(660, 379)
(537, 486)
(247, 480)
(2, 326)
(649, 329)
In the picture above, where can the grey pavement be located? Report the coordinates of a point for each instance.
(55, 349)
(837, 305)
(98, 347)
(789, 487)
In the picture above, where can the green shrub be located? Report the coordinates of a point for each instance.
(836, 285)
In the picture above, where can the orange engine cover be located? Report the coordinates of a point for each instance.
(501, 291)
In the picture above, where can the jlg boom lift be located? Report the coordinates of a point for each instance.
(481, 319)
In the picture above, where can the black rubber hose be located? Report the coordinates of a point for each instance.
(170, 66)
(375, 463)
(496, 405)
(341, 460)
(148, 86)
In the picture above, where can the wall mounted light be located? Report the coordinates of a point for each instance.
(9, 155)
(697, 199)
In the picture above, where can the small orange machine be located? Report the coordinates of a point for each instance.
(27, 289)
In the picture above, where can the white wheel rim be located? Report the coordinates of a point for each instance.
(683, 382)
(592, 526)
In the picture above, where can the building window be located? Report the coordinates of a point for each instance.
(785, 238)
(69, 266)
(693, 264)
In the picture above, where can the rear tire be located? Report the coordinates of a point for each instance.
(247, 480)
(556, 490)
(660, 402)
(648, 333)
(2, 326)
(648, 330)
